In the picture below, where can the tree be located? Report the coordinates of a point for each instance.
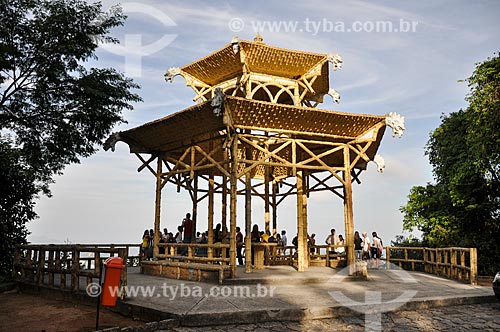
(54, 110)
(463, 207)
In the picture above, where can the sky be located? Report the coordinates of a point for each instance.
(412, 69)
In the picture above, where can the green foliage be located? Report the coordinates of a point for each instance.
(53, 109)
(18, 191)
(409, 241)
(463, 207)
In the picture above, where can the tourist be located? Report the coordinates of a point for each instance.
(358, 245)
(202, 251)
(171, 238)
(187, 226)
(366, 246)
(178, 235)
(311, 242)
(277, 236)
(255, 234)
(163, 239)
(151, 243)
(218, 234)
(217, 239)
(272, 238)
(341, 250)
(284, 240)
(265, 236)
(239, 245)
(144, 244)
(376, 250)
(254, 238)
(332, 240)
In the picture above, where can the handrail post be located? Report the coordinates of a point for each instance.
(75, 269)
(123, 253)
(473, 266)
(41, 266)
(388, 258)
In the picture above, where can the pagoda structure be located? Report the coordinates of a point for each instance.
(256, 133)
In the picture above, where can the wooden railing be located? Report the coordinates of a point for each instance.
(322, 255)
(51, 265)
(219, 254)
(454, 263)
(195, 252)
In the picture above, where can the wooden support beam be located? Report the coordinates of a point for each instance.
(267, 217)
(192, 163)
(348, 212)
(248, 217)
(224, 202)
(275, 206)
(146, 163)
(304, 217)
(232, 211)
(210, 214)
(302, 241)
(156, 239)
(194, 216)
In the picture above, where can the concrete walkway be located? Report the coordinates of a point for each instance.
(281, 293)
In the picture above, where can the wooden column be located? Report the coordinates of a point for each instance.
(302, 240)
(195, 209)
(304, 216)
(232, 210)
(275, 206)
(224, 202)
(157, 205)
(473, 266)
(248, 217)
(210, 214)
(248, 223)
(267, 217)
(348, 211)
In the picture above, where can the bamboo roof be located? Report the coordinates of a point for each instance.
(198, 125)
(261, 58)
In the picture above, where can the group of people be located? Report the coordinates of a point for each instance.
(365, 249)
(332, 240)
(183, 235)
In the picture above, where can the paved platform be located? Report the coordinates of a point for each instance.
(281, 293)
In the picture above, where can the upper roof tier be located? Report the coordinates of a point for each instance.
(224, 64)
(242, 67)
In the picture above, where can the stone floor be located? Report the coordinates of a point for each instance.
(474, 317)
(281, 294)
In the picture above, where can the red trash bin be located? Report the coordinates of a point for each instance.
(111, 285)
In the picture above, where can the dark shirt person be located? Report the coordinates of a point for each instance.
(187, 225)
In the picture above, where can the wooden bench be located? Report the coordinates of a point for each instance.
(186, 270)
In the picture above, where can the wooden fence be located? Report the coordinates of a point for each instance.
(195, 252)
(73, 267)
(219, 254)
(454, 263)
(69, 267)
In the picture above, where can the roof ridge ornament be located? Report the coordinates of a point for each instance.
(336, 60)
(235, 44)
(217, 101)
(171, 73)
(335, 95)
(380, 161)
(111, 141)
(396, 122)
(258, 38)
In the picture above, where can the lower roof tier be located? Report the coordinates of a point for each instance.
(275, 135)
